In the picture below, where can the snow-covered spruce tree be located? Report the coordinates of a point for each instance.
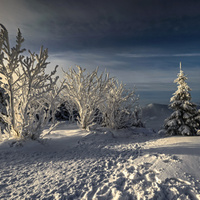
(27, 86)
(185, 119)
(121, 109)
(88, 92)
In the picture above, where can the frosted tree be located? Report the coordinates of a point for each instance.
(88, 92)
(185, 118)
(9, 64)
(120, 109)
(3, 103)
(71, 109)
(54, 100)
(27, 86)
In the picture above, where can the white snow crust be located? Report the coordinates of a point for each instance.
(133, 163)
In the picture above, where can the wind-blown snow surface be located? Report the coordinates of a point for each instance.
(126, 164)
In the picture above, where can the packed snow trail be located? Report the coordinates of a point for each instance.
(73, 164)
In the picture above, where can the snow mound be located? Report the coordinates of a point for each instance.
(75, 164)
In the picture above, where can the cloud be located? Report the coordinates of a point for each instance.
(92, 24)
(15, 14)
(141, 42)
(158, 55)
(145, 75)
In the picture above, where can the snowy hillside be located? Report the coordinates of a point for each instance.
(126, 164)
(154, 115)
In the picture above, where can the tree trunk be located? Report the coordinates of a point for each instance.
(12, 109)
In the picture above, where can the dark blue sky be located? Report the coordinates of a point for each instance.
(139, 41)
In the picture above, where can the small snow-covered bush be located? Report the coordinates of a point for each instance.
(28, 88)
(121, 109)
(88, 92)
(100, 99)
(72, 110)
(67, 110)
(54, 100)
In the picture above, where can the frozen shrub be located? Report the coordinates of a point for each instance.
(120, 110)
(88, 92)
(67, 111)
(100, 99)
(27, 86)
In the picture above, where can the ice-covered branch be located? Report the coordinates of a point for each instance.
(120, 108)
(88, 92)
(27, 85)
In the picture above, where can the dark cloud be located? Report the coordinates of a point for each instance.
(89, 24)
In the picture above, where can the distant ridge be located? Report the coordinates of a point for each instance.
(154, 114)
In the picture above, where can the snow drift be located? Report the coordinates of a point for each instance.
(127, 164)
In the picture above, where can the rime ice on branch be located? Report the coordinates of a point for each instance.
(101, 99)
(185, 119)
(121, 108)
(87, 91)
(27, 86)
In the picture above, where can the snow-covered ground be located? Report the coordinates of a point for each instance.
(126, 164)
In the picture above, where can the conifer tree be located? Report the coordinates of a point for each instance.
(185, 118)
